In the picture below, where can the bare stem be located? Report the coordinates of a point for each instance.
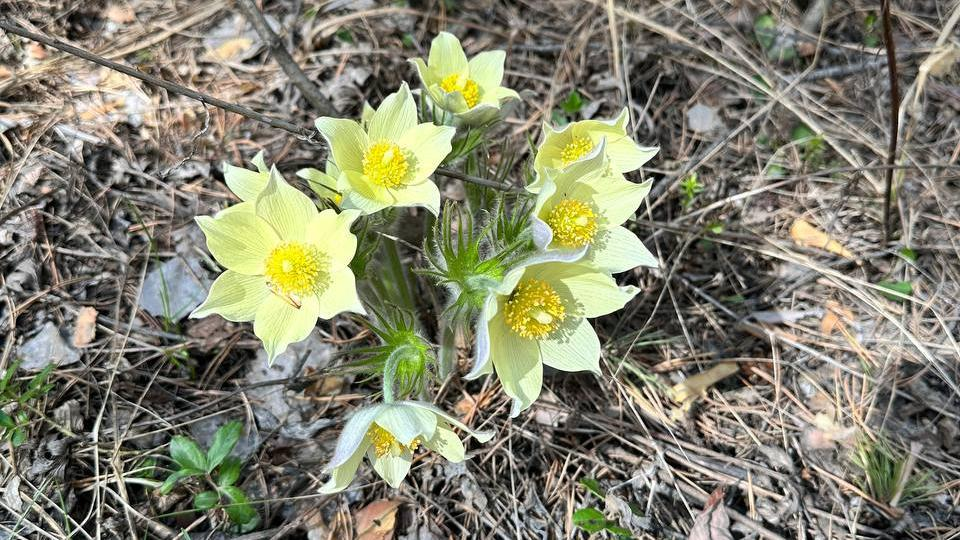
(894, 115)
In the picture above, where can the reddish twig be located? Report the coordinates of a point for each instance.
(894, 114)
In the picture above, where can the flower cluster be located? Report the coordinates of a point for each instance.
(526, 280)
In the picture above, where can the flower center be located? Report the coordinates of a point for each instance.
(385, 443)
(386, 165)
(574, 224)
(467, 88)
(297, 269)
(576, 149)
(534, 310)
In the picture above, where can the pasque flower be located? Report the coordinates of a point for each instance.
(286, 264)
(584, 206)
(388, 434)
(575, 141)
(536, 316)
(388, 159)
(468, 88)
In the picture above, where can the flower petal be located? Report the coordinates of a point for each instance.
(486, 69)
(396, 115)
(618, 250)
(361, 194)
(341, 295)
(430, 145)
(541, 232)
(407, 423)
(618, 198)
(278, 323)
(393, 469)
(446, 55)
(346, 140)
(446, 443)
(593, 293)
(353, 436)
(285, 208)
(239, 241)
(320, 182)
(424, 193)
(480, 436)
(342, 475)
(244, 183)
(481, 356)
(518, 365)
(575, 350)
(233, 296)
(330, 233)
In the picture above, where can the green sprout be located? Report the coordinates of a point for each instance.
(16, 398)
(690, 187)
(219, 470)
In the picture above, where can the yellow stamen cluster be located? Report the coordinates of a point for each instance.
(573, 222)
(576, 149)
(385, 164)
(384, 442)
(467, 88)
(534, 310)
(295, 268)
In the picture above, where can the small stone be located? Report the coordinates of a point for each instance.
(173, 289)
(702, 118)
(47, 347)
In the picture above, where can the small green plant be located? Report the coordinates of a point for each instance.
(811, 145)
(17, 398)
(902, 287)
(218, 470)
(690, 187)
(886, 476)
(871, 30)
(569, 107)
(592, 520)
(770, 39)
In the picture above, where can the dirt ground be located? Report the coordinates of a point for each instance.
(784, 351)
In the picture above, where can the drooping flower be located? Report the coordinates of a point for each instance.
(286, 265)
(469, 89)
(575, 141)
(387, 162)
(388, 434)
(582, 206)
(538, 315)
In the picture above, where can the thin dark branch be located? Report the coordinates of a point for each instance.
(894, 114)
(156, 81)
(308, 135)
(289, 66)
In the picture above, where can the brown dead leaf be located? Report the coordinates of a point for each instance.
(834, 317)
(36, 51)
(714, 522)
(231, 49)
(120, 14)
(805, 234)
(85, 328)
(696, 386)
(377, 520)
(825, 434)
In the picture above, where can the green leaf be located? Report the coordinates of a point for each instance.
(229, 472)
(902, 287)
(187, 454)
(172, 480)
(592, 486)
(908, 254)
(345, 35)
(19, 437)
(573, 103)
(239, 509)
(206, 500)
(590, 520)
(223, 442)
(6, 420)
(765, 30)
